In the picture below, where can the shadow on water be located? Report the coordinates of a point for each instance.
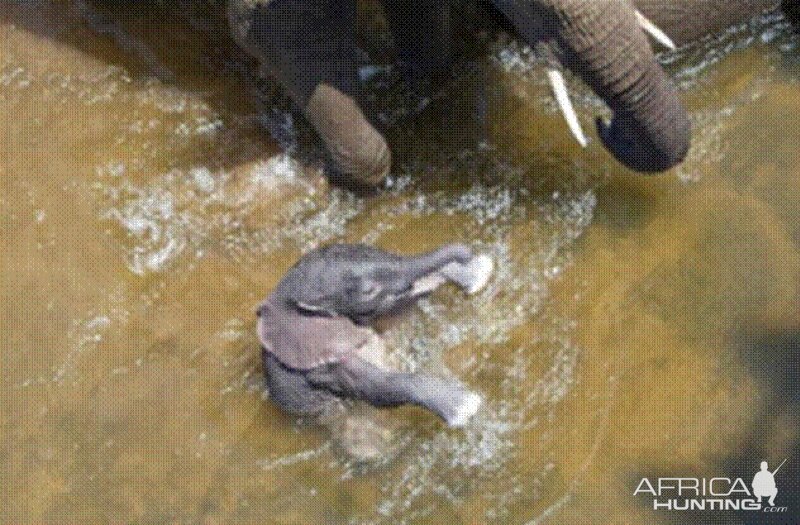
(183, 47)
(777, 438)
(771, 354)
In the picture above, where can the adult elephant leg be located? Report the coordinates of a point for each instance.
(422, 34)
(602, 43)
(309, 47)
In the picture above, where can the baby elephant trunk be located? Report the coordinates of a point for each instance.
(418, 266)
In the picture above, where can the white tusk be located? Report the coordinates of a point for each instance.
(657, 34)
(565, 104)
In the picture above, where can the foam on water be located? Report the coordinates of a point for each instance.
(190, 211)
(174, 218)
(476, 463)
(773, 29)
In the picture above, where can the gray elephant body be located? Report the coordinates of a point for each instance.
(309, 46)
(317, 348)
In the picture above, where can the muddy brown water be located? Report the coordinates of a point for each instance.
(636, 326)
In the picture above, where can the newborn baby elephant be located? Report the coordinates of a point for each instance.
(318, 347)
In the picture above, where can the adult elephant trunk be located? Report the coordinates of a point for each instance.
(601, 41)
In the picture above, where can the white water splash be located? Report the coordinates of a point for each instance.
(186, 212)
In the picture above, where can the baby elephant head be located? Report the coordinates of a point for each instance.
(364, 283)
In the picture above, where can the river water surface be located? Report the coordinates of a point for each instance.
(154, 190)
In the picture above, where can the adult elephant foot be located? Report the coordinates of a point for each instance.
(309, 48)
(356, 148)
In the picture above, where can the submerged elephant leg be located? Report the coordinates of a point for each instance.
(363, 436)
(358, 379)
(367, 435)
(309, 47)
(422, 34)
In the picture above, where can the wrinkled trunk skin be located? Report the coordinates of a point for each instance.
(600, 40)
(309, 43)
(687, 21)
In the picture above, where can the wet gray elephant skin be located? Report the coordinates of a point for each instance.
(318, 347)
(309, 47)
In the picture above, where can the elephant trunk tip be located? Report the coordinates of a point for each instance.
(646, 149)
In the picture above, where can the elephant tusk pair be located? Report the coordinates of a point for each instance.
(560, 88)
